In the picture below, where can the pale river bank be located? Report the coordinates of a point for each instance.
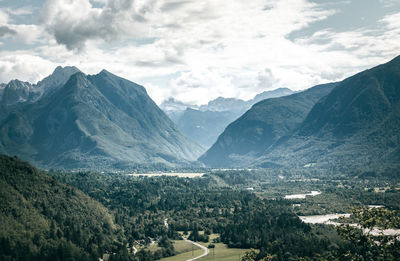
(300, 196)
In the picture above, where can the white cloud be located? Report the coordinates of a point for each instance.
(197, 50)
(26, 10)
(3, 17)
(76, 21)
(24, 67)
(392, 21)
(267, 80)
(199, 86)
(29, 34)
(25, 33)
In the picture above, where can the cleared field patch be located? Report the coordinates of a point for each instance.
(184, 256)
(182, 246)
(169, 174)
(220, 252)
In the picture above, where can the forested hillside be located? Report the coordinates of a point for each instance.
(240, 217)
(42, 219)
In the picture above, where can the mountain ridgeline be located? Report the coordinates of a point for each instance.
(259, 128)
(356, 125)
(94, 121)
(352, 123)
(203, 124)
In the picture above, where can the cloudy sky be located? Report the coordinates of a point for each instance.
(197, 50)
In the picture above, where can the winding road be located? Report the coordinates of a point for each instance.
(206, 250)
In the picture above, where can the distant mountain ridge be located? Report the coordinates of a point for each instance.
(355, 125)
(94, 121)
(224, 104)
(260, 127)
(205, 123)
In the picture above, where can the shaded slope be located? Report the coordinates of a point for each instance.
(42, 219)
(99, 121)
(266, 122)
(357, 124)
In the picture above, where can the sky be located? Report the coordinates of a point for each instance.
(196, 51)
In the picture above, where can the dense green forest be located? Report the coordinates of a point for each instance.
(87, 215)
(43, 219)
(243, 219)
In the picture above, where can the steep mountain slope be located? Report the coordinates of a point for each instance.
(56, 80)
(17, 93)
(357, 124)
(259, 128)
(99, 121)
(42, 219)
(205, 123)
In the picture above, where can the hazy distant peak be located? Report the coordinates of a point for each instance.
(272, 94)
(172, 104)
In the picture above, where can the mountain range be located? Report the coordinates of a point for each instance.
(203, 124)
(73, 120)
(265, 123)
(353, 123)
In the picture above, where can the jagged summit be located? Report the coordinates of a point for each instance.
(59, 76)
(104, 71)
(97, 121)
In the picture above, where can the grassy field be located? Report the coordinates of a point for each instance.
(220, 253)
(184, 256)
(182, 246)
